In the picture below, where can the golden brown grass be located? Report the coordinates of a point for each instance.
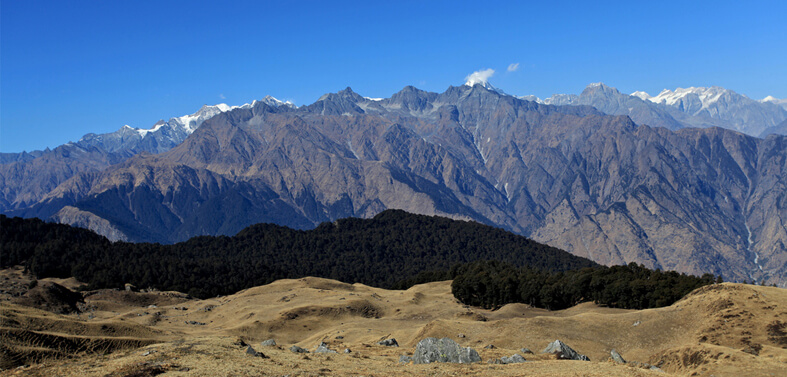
(726, 329)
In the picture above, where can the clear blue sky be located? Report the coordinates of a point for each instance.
(73, 67)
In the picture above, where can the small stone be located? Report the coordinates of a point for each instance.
(404, 359)
(347, 350)
(391, 342)
(490, 347)
(526, 351)
(251, 352)
(616, 357)
(268, 343)
(461, 335)
(323, 348)
(494, 361)
(297, 349)
(636, 323)
(339, 337)
(513, 359)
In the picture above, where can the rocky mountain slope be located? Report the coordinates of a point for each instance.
(681, 108)
(599, 186)
(27, 176)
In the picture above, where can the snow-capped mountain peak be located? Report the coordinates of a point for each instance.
(774, 100)
(274, 102)
(641, 95)
(707, 96)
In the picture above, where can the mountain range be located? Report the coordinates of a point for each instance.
(612, 177)
(682, 108)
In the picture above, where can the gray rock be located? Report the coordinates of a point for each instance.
(268, 343)
(323, 348)
(389, 342)
(433, 350)
(564, 352)
(297, 349)
(347, 350)
(251, 352)
(526, 351)
(490, 347)
(513, 359)
(404, 359)
(494, 361)
(616, 357)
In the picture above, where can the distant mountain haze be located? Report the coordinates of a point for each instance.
(604, 175)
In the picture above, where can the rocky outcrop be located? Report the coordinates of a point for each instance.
(445, 350)
(616, 357)
(563, 352)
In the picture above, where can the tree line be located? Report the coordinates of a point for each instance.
(389, 251)
(489, 266)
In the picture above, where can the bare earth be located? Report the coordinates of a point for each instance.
(720, 330)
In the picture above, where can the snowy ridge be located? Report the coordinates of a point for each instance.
(707, 96)
(775, 101)
(189, 123)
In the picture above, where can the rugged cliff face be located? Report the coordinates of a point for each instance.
(600, 186)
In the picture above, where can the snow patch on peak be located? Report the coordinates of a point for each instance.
(641, 95)
(770, 99)
(707, 96)
(223, 107)
(274, 102)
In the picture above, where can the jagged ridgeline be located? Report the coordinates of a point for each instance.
(391, 248)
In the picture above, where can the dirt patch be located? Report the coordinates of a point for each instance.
(51, 297)
(363, 309)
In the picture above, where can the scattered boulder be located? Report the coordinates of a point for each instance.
(404, 359)
(251, 352)
(323, 348)
(490, 347)
(297, 349)
(513, 359)
(195, 323)
(445, 350)
(616, 357)
(526, 351)
(564, 352)
(391, 342)
(268, 343)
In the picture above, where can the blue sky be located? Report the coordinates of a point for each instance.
(72, 67)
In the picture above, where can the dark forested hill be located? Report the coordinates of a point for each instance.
(389, 248)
